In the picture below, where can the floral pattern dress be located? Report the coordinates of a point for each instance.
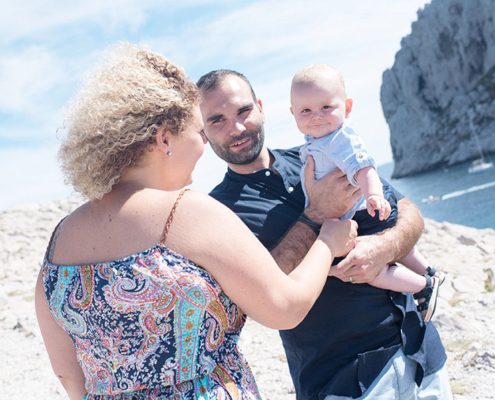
(153, 325)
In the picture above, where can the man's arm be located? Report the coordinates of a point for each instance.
(374, 252)
(290, 251)
(294, 245)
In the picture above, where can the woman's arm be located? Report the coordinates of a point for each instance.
(59, 347)
(214, 237)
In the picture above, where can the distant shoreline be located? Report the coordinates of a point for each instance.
(450, 194)
(387, 168)
(457, 212)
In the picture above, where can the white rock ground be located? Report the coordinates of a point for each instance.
(465, 315)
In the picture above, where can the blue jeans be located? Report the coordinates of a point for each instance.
(396, 382)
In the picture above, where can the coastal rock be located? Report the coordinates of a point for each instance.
(439, 96)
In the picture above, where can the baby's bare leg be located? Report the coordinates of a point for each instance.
(415, 261)
(399, 279)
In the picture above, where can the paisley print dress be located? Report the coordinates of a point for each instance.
(152, 325)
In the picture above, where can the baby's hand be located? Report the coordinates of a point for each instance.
(376, 202)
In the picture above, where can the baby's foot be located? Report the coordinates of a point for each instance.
(427, 298)
(430, 271)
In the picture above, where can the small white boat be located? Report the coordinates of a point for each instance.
(431, 199)
(479, 165)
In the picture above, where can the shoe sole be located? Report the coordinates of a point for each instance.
(434, 297)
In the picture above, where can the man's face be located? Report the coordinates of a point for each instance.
(233, 121)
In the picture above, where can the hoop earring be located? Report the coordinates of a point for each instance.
(169, 153)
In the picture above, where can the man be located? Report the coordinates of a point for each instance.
(357, 340)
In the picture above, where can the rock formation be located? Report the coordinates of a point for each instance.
(439, 96)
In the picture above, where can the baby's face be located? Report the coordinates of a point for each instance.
(319, 108)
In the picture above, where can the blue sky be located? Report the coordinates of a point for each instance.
(47, 46)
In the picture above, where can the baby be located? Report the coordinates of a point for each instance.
(321, 109)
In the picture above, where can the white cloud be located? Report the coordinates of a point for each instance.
(46, 46)
(28, 19)
(298, 29)
(269, 42)
(34, 175)
(26, 76)
(30, 175)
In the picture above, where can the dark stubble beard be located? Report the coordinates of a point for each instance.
(247, 156)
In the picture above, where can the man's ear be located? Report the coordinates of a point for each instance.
(348, 106)
(260, 106)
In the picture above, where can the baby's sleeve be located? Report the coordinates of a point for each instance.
(349, 153)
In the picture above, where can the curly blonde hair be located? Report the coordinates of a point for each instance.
(117, 114)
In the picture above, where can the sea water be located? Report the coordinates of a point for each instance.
(451, 194)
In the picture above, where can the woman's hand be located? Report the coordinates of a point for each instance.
(339, 236)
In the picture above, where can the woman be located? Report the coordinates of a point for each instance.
(144, 289)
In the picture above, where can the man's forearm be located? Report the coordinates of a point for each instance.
(373, 253)
(290, 251)
(400, 239)
(383, 248)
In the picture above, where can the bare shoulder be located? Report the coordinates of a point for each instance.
(73, 222)
(197, 207)
(201, 219)
(113, 227)
(68, 232)
(201, 202)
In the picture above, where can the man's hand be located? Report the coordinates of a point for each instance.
(374, 252)
(365, 261)
(329, 197)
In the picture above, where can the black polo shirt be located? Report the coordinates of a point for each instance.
(352, 330)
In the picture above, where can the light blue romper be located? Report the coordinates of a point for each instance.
(343, 149)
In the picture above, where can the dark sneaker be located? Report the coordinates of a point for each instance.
(427, 298)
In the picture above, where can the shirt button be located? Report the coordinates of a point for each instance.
(290, 189)
(267, 173)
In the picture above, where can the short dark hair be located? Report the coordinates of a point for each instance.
(212, 79)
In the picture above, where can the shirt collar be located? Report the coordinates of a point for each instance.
(286, 164)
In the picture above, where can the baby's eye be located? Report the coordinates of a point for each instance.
(327, 107)
(305, 111)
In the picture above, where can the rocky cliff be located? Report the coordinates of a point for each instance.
(439, 96)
